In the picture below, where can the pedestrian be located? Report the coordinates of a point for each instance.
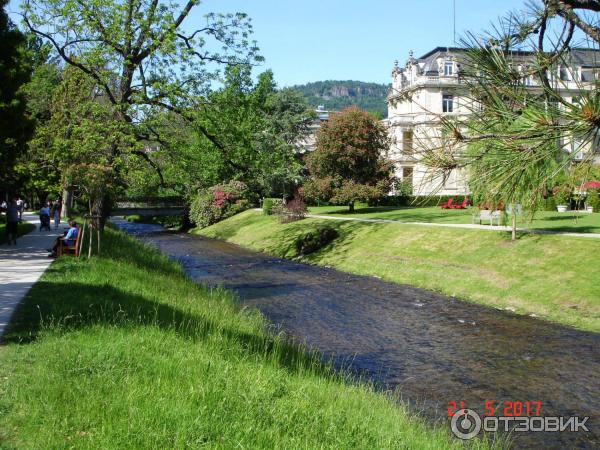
(12, 222)
(20, 206)
(45, 218)
(56, 213)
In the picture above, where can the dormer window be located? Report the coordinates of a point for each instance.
(448, 68)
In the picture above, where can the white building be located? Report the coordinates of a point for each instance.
(429, 88)
(308, 142)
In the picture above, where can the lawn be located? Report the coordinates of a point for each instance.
(24, 228)
(554, 277)
(122, 351)
(546, 220)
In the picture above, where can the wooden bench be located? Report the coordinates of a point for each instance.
(486, 214)
(69, 249)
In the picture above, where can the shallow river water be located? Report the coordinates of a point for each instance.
(430, 348)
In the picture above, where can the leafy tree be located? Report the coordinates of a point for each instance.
(142, 62)
(348, 164)
(37, 166)
(15, 125)
(260, 128)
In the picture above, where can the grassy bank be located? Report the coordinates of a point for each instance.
(554, 277)
(23, 228)
(572, 221)
(122, 351)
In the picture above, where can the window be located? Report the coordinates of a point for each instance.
(587, 74)
(528, 80)
(447, 103)
(564, 74)
(407, 143)
(448, 68)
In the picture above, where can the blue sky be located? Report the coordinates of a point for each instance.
(313, 40)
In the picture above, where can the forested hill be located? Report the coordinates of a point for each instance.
(337, 95)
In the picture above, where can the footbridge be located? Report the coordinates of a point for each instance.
(146, 209)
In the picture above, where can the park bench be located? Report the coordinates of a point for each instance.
(69, 249)
(486, 214)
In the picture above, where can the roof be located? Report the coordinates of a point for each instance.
(578, 56)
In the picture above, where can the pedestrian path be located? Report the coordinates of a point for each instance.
(459, 225)
(22, 265)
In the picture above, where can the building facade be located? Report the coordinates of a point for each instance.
(429, 88)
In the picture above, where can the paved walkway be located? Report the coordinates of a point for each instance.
(459, 225)
(22, 265)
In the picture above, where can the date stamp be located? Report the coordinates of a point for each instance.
(510, 408)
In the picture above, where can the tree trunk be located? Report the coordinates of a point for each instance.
(101, 209)
(67, 201)
(514, 226)
(351, 206)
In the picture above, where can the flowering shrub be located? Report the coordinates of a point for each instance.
(293, 210)
(219, 202)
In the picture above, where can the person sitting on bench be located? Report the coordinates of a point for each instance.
(68, 240)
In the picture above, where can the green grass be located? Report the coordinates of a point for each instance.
(543, 220)
(554, 277)
(122, 351)
(23, 228)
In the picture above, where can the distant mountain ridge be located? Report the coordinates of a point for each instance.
(338, 94)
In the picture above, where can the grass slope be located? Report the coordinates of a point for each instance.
(552, 276)
(122, 351)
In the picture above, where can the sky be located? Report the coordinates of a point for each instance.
(314, 40)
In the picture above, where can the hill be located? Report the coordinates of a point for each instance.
(337, 95)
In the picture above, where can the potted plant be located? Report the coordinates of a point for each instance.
(593, 201)
(560, 196)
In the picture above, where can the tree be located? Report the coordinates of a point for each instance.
(349, 162)
(141, 60)
(37, 166)
(15, 71)
(259, 126)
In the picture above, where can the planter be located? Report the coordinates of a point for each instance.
(561, 208)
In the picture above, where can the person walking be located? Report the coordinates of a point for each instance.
(45, 217)
(20, 207)
(56, 213)
(12, 222)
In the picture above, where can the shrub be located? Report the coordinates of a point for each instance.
(267, 206)
(219, 202)
(294, 210)
(315, 240)
(271, 206)
(561, 196)
(593, 199)
(550, 204)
